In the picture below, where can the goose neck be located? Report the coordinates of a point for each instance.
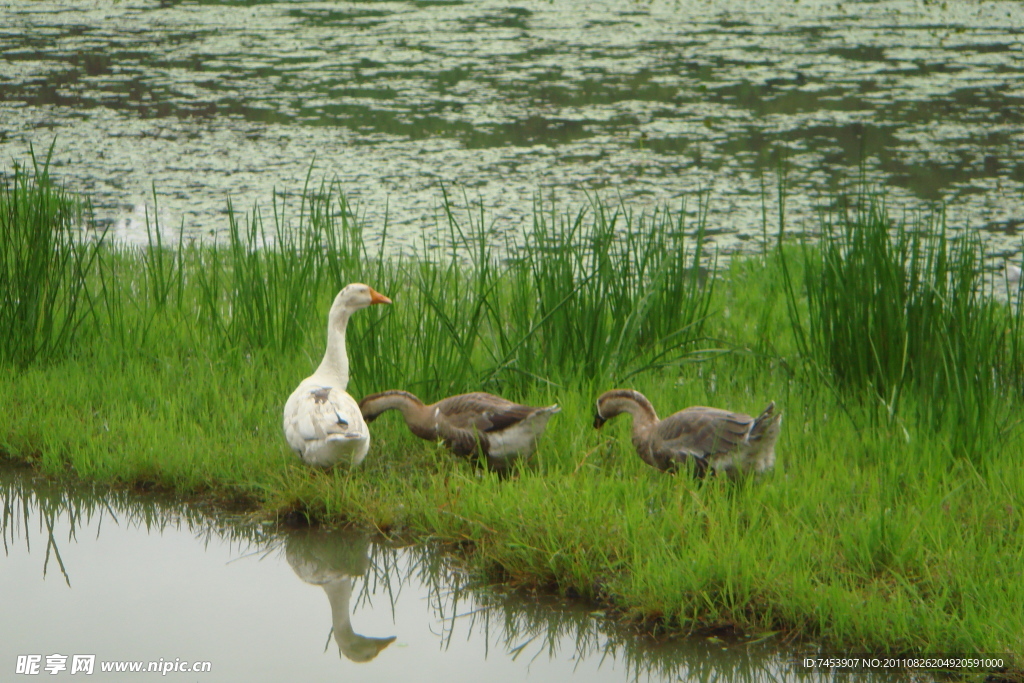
(335, 361)
(644, 417)
(418, 417)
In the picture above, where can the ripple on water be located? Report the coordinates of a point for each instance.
(644, 101)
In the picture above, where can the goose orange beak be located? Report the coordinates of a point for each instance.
(378, 298)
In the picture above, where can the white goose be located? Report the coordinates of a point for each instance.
(322, 423)
(332, 561)
(1013, 273)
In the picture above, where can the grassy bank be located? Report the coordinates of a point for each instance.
(892, 522)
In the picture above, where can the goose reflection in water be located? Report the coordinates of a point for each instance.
(332, 560)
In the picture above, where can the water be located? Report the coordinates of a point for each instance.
(650, 101)
(144, 578)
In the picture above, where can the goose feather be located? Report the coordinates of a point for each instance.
(474, 424)
(703, 437)
(322, 422)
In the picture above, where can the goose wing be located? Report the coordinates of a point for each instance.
(482, 412)
(316, 413)
(701, 432)
(462, 442)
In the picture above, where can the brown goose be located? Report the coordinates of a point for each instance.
(503, 430)
(728, 442)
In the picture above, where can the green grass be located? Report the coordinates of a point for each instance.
(903, 308)
(892, 522)
(43, 268)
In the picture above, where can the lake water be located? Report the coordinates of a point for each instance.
(141, 578)
(502, 102)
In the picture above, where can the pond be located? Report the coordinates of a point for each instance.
(502, 104)
(133, 579)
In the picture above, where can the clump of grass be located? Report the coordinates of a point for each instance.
(260, 291)
(44, 267)
(617, 296)
(899, 308)
(599, 293)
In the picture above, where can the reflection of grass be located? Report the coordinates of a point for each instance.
(47, 506)
(533, 628)
(520, 624)
(893, 523)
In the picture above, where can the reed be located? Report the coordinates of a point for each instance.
(43, 266)
(596, 293)
(896, 308)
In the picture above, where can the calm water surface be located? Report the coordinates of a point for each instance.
(142, 579)
(648, 101)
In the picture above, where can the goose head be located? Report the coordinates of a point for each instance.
(352, 298)
(333, 368)
(618, 401)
